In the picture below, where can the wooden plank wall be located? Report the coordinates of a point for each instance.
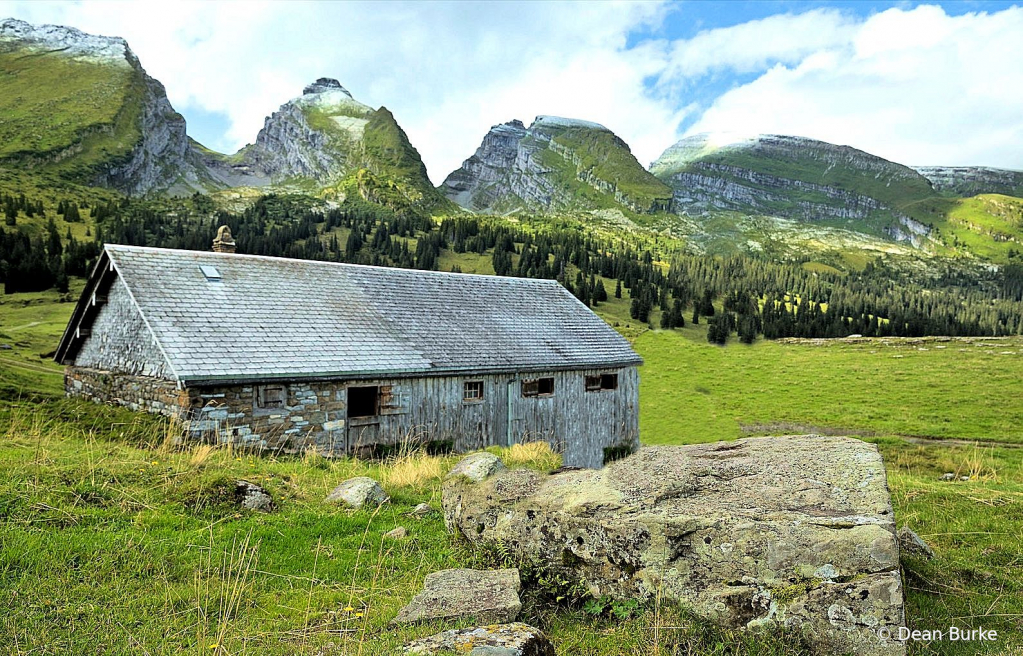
(577, 423)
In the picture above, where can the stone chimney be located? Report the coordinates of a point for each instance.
(224, 243)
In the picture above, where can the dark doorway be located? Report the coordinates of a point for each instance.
(363, 402)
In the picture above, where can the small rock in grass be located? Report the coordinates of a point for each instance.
(913, 544)
(491, 596)
(947, 477)
(422, 510)
(396, 534)
(515, 639)
(357, 492)
(477, 467)
(253, 497)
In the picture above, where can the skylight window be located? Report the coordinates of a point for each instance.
(210, 272)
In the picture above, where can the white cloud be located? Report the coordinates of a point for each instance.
(917, 87)
(750, 47)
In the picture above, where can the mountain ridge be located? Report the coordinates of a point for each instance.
(81, 108)
(794, 177)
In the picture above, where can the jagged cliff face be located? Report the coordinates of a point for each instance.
(83, 105)
(794, 178)
(317, 136)
(554, 164)
(327, 137)
(973, 180)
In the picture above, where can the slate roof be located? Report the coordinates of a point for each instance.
(278, 318)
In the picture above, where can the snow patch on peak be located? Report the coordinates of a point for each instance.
(544, 121)
(331, 100)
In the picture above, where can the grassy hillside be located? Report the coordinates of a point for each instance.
(608, 158)
(390, 154)
(950, 389)
(115, 542)
(66, 115)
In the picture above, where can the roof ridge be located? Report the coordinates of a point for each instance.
(115, 247)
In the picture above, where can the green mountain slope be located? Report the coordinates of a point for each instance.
(556, 164)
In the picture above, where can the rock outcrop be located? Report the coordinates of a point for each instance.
(515, 639)
(554, 164)
(253, 497)
(487, 595)
(913, 545)
(973, 180)
(477, 466)
(791, 531)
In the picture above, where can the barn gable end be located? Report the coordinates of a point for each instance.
(120, 341)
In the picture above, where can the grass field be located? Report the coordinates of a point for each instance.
(112, 542)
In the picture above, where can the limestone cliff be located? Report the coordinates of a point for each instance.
(973, 180)
(328, 138)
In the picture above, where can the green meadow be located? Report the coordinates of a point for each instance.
(112, 541)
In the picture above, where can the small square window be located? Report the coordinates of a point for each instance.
(538, 387)
(601, 382)
(270, 396)
(472, 391)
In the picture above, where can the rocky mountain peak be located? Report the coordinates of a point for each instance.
(324, 85)
(541, 168)
(68, 41)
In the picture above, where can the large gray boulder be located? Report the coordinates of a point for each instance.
(791, 531)
(358, 492)
(516, 639)
(477, 467)
(491, 596)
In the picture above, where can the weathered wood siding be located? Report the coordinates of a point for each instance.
(417, 411)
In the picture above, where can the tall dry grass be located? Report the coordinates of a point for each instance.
(531, 454)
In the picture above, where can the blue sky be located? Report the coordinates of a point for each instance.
(915, 82)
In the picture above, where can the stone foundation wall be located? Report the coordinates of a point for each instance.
(145, 393)
(313, 415)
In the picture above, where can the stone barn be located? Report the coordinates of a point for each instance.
(287, 355)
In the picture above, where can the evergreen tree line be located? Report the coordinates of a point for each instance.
(755, 296)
